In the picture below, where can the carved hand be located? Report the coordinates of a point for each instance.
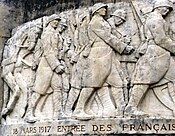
(31, 46)
(86, 52)
(74, 58)
(129, 49)
(59, 69)
(34, 66)
(127, 39)
(141, 50)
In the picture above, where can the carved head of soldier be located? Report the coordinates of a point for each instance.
(37, 29)
(163, 7)
(119, 16)
(53, 21)
(83, 17)
(172, 1)
(100, 9)
(62, 25)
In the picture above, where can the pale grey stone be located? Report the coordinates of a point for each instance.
(105, 72)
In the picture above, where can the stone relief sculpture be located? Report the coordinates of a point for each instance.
(82, 47)
(105, 61)
(154, 67)
(100, 55)
(50, 69)
(18, 69)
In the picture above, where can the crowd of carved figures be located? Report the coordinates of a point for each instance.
(100, 61)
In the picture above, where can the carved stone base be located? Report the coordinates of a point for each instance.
(96, 126)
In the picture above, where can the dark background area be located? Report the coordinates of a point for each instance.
(36, 8)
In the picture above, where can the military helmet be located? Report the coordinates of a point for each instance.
(162, 3)
(83, 16)
(53, 17)
(172, 1)
(63, 22)
(120, 13)
(98, 6)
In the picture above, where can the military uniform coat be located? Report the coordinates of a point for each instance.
(154, 64)
(100, 64)
(49, 61)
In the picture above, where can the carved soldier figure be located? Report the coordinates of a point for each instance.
(154, 67)
(21, 78)
(82, 43)
(101, 56)
(65, 58)
(118, 18)
(48, 75)
(171, 20)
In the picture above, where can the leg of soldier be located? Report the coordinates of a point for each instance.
(137, 94)
(22, 83)
(64, 97)
(125, 76)
(6, 95)
(79, 112)
(30, 117)
(118, 82)
(130, 68)
(20, 86)
(12, 102)
(10, 80)
(65, 78)
(125, 71)
(57, 103)
(56, 85)
(72, 97)
(119, 102)
(89, 104)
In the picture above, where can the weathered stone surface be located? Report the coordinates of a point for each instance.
(4, 34)
(16, 12)
(104, 126)
(108, 66)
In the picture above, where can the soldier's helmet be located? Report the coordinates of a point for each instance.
(163, 3)
(98, 6)
(53, 17)
(121, 13)
(172, 1)
(63, 22)
(83, 15)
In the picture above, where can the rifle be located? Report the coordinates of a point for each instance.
(139, 22)
(162, 98)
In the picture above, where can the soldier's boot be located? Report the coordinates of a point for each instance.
(12, 102)
(72, 97)
(137, 94)
(79, 112)
(30, 117)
